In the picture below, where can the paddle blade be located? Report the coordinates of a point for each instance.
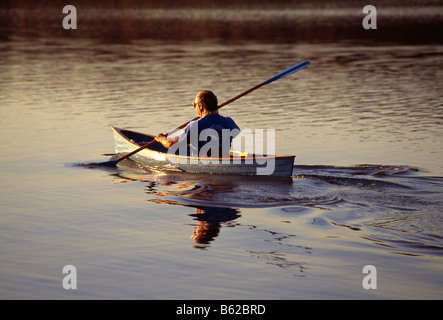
(110, 163)
(288, 71)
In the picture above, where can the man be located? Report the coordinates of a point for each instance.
(211, 135)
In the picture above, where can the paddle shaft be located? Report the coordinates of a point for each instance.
(284, 73)
(280, 75)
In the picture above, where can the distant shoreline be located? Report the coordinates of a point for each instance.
(405, 25)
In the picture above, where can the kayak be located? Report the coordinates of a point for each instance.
(238, 163)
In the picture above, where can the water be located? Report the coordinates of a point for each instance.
(365, 121)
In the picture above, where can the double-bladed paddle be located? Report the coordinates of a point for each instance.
(284, 73)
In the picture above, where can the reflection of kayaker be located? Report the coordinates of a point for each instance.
(210, 222)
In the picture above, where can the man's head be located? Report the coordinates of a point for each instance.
(206, 100)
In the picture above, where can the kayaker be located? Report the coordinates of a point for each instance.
(210, 136)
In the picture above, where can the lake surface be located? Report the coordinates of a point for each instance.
(364, 120)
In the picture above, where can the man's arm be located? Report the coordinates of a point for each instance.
(163, 139)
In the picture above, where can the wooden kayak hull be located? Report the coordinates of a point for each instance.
(158, 156)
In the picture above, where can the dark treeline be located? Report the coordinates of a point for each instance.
(118, 22)
(176, 4)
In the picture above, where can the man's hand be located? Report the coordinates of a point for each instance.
(161, 138)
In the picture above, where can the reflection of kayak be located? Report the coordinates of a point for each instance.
(238, 163)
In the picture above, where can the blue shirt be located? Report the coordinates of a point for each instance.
(208, 134)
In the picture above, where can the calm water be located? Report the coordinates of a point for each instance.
(365, 121)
